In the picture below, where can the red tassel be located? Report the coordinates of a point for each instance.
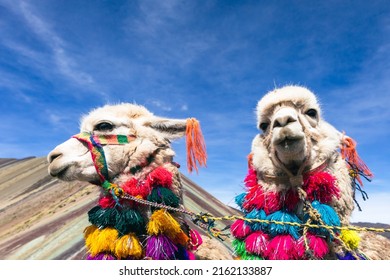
(195, 240)
(257, 199)
(271, 202)
(256, 243)
(196, 147)
(318, 245)
(290, 200)
(349, 153)
(240, 229)
(251, 179)
(106, 202)
(137, 188)
(282, 247)
(160, 177)
(321, 186)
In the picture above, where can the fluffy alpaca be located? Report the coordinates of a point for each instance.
(133, 157)
(297, 175)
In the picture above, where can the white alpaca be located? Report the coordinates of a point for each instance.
(139, 163)
(296, 169)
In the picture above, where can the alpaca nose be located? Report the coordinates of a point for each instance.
(53, 155)
(284, 117)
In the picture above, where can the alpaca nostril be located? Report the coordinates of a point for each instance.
(283, 121)
(53, 155)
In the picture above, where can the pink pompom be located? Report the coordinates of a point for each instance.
(251, 179)
(321, 186)
(195, 240)
(160, 177)
(256, 243)
(318, 245)
(137, 188)
(106, 202)
(271, 202)
(191, 256)
(282, 247)
(254, 199)
(240, 229)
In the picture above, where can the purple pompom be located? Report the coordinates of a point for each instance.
(101, 256)
(160, 247)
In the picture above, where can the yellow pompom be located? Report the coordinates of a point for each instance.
(128, 246)
(90, 234)
(350, 238)
(161, 222)
(101, 241)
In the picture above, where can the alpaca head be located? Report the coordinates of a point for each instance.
(293, 134)
(71, 160)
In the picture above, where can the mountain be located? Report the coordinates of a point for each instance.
(43, 218)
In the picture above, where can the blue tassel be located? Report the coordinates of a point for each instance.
(328, 216)
(240, 200)
(283, 216)
(257, 214)
(349, 256)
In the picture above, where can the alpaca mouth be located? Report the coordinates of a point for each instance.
(289, 142)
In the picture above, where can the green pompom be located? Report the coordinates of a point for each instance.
(248, 256)
(238, 247)
(129, 220)
(164, 196)
(102, 217)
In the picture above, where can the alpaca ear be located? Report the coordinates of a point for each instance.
(170, 128)
(175, 128)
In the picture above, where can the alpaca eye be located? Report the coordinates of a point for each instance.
(263, 126)
(311, 113)
(104, 126)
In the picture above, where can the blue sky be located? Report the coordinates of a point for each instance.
(212, 60)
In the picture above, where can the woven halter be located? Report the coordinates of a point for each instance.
(95, 145)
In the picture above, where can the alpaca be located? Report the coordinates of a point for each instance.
(297, 175)
(132, 157)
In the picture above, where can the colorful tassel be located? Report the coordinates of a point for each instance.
(195, 145)
(160, 247)
(160, 177)
(195, 240)
(162, 222)
(328, 216)
(251, 179)
(240, 199)
(129, 220)
(258, 215)
(137, 188)
(102, 217)
(318, 245)
(238, 247)
(282, 247)
(164, 196)
(282, 216)
(290, 200)
(102, 256)
(256, 243)
(101, 241)
(321, 186)
(250, 257)
(181, 253)
(240, 229)
(350, 238)
(106, 202)
(128, 246)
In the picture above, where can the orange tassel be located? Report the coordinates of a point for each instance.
(250, 160)
(196, 147)
(349, 153)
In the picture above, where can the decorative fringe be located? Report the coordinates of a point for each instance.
(128, 246)
(240, 229)
(195, 145)
(350, 238)
(160, 177)
(249, 257)
(259, 215)
(106, 202)
(98, 241)
(164, 196)
(160, 247)
(102, 217)
(282, 247)
(281, 216)
(321, 186)
(328, 216)
(256, 243)
(251, 179)
(290, 200)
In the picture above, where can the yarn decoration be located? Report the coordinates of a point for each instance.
(280, 236)
(119, 231)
